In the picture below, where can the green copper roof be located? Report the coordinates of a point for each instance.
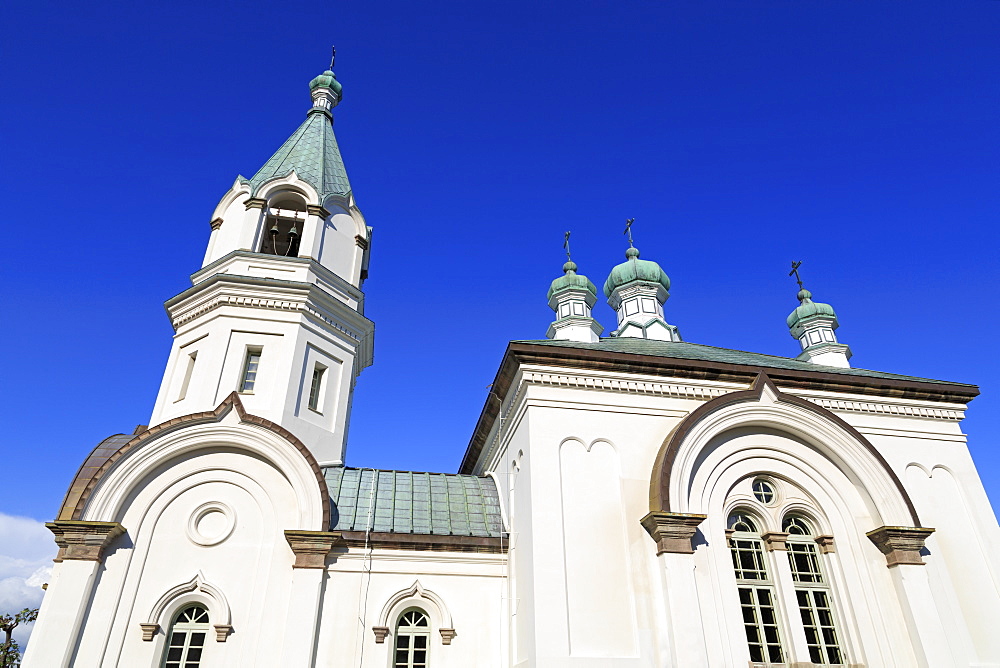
(444, 504)
(634, 269)
(571, 279)
(807, 308)
(326, 80)
(313, 154)
(696, 351)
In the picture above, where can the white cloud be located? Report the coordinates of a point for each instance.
(26, 553)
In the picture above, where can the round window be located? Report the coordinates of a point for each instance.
(763, 491)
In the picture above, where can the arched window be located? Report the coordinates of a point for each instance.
(758, 601)
(187, 638)
(283, 227)
(412, 638)
(812, 592)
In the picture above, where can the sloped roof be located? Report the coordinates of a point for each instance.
(443, 504)
(312, 152)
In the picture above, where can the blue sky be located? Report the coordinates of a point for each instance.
(859, 137)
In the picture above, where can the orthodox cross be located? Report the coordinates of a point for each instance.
(795, 272)
(333, 56)
(628, 231)
(566, 247)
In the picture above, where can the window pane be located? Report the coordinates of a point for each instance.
(420, 641)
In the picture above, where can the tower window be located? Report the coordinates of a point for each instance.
(250, 367)
(187, 375)
(187, 638)
(283, 227)
(316, 386)
(412, 635)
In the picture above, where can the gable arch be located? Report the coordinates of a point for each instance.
(763, 406)
(107, 478)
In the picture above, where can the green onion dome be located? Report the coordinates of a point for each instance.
(634, 269)
(571, 279)
(807, 308)
(326, 80)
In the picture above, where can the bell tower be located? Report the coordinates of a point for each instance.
(276, 312)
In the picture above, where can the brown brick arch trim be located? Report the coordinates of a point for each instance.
(659, 483)
(103, 458)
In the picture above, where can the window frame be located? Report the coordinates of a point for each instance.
(813, 582)
(189, 629)
(750, 590)
(317, 387)
(247, 384)
(411, 632)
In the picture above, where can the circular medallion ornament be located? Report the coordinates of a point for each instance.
(211, 523)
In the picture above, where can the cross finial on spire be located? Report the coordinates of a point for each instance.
(628, 231)
(333, 56)
(566, 247)
(795, 272)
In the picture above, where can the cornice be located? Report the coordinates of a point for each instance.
(640, 374)
(289, 296)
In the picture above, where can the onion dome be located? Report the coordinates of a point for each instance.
(326, 80)
(808, 309)
(634, 269)
(571, 279)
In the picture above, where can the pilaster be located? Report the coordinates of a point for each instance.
(673, 533)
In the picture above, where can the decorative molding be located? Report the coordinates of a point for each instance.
(882, 408)
(218, 605)
(361, 242)
(220, 301)
(222, 632)
(311, 547)
(81, 540)
(315, 210)
(587, 382)
(425, 542)
(380, 633)
(673, 532)
(103, 459)
(148, 631)
(216, 223)
(447, 635)
(826, 544)
(416, 595)
(256, 203)
(195, 534)
(775, 540)
(659, 484)
(900, 545)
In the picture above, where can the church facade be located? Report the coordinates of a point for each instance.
(628, 500)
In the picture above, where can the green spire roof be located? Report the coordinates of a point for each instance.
(807, 308)
(634, 269)
(313, 154)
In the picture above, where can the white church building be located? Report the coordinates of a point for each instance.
(625, 501)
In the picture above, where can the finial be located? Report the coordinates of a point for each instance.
(804, 295)
(570, 266)
(333, 56)
(628, 231)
